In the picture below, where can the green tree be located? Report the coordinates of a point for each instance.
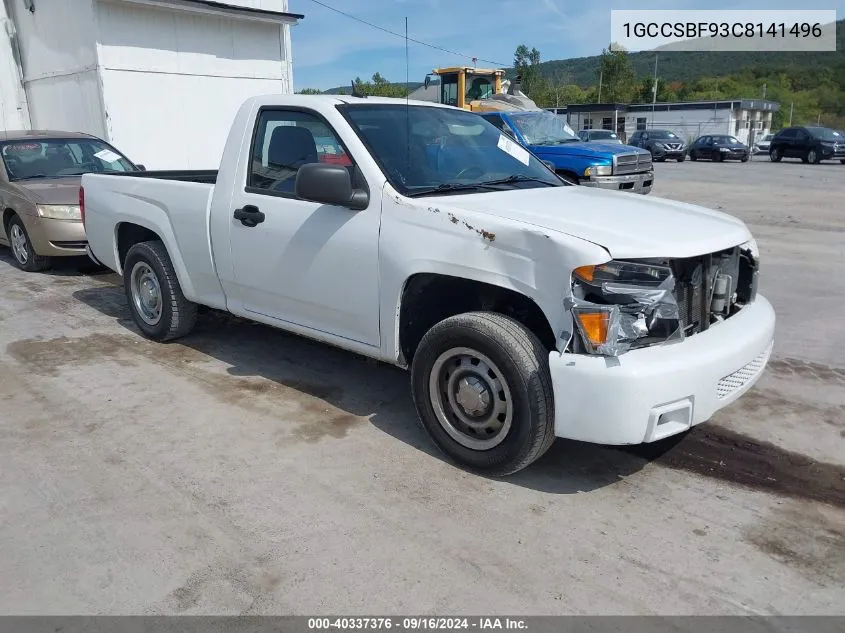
(618, 79)
(309, 91)
(378, 86)
(526, 64)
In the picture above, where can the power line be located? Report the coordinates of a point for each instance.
(410, 39)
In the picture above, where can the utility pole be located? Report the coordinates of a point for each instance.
(791, 107)
(764, 92)
(601, 77)
(654, 91)
(819, 120)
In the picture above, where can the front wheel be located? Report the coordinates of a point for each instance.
(159, 308)
(775, 155)
(24, 253)
(812, 157)
(483, 392)
(681, 159)
(693, 156)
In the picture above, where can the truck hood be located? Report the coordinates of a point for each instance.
(63, 190)
(625, 224)
(587, 150)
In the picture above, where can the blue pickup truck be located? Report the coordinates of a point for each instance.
(609, 166)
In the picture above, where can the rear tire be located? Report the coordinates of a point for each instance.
(23, 252)
(483, 392)
(155, 298)
(693, 156)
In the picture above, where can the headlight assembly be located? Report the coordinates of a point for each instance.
(598, 170)
(620, 304)
(751, 248)
(60, 212)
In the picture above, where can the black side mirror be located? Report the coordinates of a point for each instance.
(141, 168)
(329, 184)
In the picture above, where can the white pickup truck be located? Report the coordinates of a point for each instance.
(418, 235)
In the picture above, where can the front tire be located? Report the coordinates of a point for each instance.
(775, 155)
(693, 156)
(681, 159)
(155, 298)
(812, 157)
(483, 392)
(22, 250)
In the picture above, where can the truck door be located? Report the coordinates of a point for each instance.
(307, 263)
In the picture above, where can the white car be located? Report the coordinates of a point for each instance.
(762, 145)
(525, 308)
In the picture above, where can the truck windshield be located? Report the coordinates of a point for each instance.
(57, 158)
(425, 150)
(542, 128)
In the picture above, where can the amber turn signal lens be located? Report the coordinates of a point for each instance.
(585, 273)
(594, 325)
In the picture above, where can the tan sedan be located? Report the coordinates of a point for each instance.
(40, 173)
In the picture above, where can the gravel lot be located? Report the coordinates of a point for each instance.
(244, 470)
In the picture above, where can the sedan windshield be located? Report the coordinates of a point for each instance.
(57, 158)
(726, 140)
(542, 128)
(426, 150)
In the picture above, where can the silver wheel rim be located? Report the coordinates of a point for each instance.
(19, 248)
(471, 398)
(811, 156)
(146, 293)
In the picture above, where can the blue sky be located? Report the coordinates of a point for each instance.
(330, 49)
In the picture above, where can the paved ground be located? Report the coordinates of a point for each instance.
(245, 470)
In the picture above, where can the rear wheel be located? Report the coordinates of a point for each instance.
(159, 308)
(775, 155)
(693, 156)
(22, 250)
(483, 392)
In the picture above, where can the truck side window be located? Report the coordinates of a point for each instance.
(500, 124)
(284, 141)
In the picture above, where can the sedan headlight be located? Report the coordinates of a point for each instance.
(621, 304)
(60, 212)
(724, 149)
(598, 170)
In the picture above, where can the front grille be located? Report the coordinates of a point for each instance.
(741, 377)
(673, 147)
(632, 163)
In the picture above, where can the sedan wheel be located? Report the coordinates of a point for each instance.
(775, 155)
(25, 256)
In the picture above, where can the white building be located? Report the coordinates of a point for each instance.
(745, 119)
(159, 79)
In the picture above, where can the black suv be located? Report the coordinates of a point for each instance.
(811, 144)
(662, 144)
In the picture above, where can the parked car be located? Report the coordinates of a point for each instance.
(812, 144)
(40, 172)
(605, 165)
(663, 144)
(526, 308)
(600, 136)
(761, 146)
(718, 147)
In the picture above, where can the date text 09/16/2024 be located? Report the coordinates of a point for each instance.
(420, 623)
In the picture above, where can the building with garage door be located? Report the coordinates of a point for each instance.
(159, 79)
(746, 119)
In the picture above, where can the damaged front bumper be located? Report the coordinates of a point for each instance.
(651, 393)
(635, 183)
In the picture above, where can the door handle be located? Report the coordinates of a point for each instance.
(249, 215)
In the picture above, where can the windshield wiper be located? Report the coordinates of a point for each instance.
(515, 178)
(448, 187)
